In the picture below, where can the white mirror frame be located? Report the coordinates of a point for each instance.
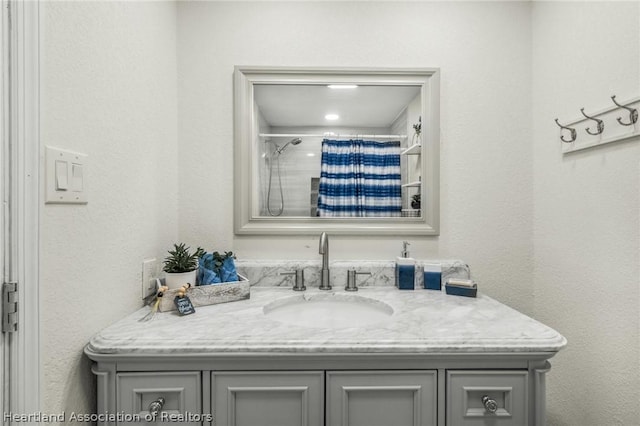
(246, 219)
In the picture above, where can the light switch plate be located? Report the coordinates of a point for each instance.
(149, 275)
(70, 188)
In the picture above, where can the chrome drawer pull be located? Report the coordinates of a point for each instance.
(156, 406)
(489, 404)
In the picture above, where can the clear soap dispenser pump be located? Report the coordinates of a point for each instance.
(405, 269)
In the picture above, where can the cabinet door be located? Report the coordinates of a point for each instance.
(381, 398)
(291, 398)
(505, 393)
(178, 394)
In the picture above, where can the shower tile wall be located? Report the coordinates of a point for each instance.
(298, 164)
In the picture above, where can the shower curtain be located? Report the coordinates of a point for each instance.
(360, 178)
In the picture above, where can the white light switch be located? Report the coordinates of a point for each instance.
(76, 177)
(62, 175)
(66, 175)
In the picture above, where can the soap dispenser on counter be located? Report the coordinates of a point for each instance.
(405, 269)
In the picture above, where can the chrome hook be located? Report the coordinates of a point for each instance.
(573, 133)
(599, 125)
(633, 113)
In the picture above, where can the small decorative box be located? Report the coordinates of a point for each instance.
(203, 295)
(461, 287)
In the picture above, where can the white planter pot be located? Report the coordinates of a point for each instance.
(174, 281)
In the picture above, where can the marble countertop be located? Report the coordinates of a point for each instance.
(423, 321)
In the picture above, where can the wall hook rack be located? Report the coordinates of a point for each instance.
(599, 124)
(605, 130)
(633, 113)
(572, 131)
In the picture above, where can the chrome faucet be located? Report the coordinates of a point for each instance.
(324, 251)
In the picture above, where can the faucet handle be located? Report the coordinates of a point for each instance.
(351, 279)
(298, 284)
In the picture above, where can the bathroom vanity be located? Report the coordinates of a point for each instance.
(378, 356)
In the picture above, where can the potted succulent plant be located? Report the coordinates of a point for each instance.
(181, 266)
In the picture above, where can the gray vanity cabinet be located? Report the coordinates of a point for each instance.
(411, 391)
(382, 398)
(276, 398)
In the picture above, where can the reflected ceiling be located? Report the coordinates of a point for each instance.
(307, 105)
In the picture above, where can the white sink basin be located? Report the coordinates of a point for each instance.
(328, 310)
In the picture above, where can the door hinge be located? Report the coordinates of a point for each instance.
(9, 307)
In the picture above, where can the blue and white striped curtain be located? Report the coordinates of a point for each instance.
(360, 178)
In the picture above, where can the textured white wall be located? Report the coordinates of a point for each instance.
(108, 90)
(587, 212)
(483, 50)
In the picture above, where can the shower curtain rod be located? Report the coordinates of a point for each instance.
(302, 135)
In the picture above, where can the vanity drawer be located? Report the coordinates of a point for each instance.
(483, 398)
(178, 394)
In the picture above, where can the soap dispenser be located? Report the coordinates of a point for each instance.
(405, 269)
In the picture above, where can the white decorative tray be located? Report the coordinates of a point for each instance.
(203, 295)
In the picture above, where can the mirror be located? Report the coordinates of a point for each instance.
(349, 151)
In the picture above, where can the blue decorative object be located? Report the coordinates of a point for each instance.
(213, 270)
(228, 271)
(206, 273)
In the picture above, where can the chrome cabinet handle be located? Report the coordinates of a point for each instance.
(156, 406)
(489, 404)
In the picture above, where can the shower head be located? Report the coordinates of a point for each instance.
(294, 141)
